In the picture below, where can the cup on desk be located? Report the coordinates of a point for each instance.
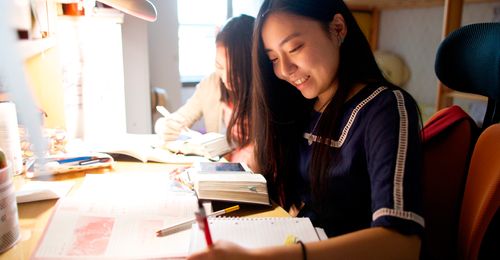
(9, 219)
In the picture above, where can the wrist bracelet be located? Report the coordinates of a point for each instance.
(304, 253)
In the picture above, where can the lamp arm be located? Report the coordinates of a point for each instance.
(143, 9)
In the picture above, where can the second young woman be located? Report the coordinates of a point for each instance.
(223, 98)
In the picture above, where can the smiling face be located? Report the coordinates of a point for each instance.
(303, 53)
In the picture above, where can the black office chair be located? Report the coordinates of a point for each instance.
(468, 60)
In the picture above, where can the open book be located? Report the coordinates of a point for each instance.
(209, 145)
(257, 232)
(141, 147)
(226, 181)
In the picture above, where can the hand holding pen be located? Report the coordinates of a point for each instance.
(171, 126)
(179, 122)
(187, 224)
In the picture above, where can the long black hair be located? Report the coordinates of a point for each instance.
(280, 110)
(236, 37)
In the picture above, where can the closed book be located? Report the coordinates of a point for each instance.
(226, 181)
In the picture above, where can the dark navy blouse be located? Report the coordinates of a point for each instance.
(376, 181)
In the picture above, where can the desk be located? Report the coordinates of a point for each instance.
(34, 216)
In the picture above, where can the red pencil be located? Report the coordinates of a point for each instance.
(201, 218)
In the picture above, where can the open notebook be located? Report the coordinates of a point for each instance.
(256, 232)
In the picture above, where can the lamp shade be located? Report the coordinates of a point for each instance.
(143, 9)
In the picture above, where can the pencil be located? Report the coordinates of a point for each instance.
(202, 220)
(164, 112)
(187, 224)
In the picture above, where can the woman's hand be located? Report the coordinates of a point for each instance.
(169, 128)
(222, 250)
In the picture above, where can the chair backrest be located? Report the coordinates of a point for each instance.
(481, 199)
(448, 139)
(468, 60)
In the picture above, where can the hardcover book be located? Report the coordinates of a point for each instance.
(227, 181)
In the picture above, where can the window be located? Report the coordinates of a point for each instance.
(199, 21)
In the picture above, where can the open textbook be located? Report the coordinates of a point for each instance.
(257, 232)
(142, 147)
(209, 145)
(226, 181)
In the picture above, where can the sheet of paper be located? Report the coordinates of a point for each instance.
(43, 190)
(116, 217)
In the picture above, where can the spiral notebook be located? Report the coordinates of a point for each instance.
(257, 232)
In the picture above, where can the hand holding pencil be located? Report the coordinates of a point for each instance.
(170, 126)
(187, 224)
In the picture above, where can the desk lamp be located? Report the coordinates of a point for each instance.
(143, 9)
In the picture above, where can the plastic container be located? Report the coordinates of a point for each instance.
(9, 219)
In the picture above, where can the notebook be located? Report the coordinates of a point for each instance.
(256, 232)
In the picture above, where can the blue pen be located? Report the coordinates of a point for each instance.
(94, 160)
(75, 159)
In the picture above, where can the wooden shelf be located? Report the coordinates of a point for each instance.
(385, 4)
(30, 48)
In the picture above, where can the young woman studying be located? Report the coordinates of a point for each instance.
(223, 98)
(337, 142)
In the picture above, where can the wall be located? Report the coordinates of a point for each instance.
(136, 72)
(45, 80)
(415, 35)
(163, 52)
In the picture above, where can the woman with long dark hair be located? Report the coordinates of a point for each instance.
(336, 141)
(223, 98)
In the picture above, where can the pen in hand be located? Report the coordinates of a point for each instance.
(165, 113)
(187, 224)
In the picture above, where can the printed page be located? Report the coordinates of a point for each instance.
(116, 217)
(43, 190)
